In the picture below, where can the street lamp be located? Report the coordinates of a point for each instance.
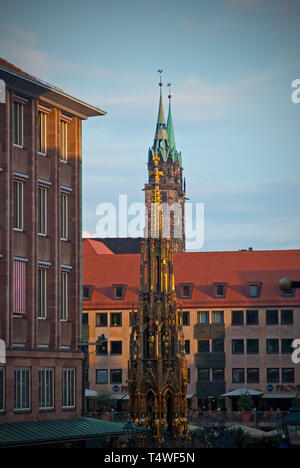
(130, 431)
(287, 285)
(291, 427)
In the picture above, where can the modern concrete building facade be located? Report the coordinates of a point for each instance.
(40, 247)
(238, 324)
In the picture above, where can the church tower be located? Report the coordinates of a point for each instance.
(171, 184)
(157, 378)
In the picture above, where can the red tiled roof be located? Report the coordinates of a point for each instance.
(202, 269)
(4, 63)
(93, 247)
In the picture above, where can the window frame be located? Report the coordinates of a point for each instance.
(64, 302)
(70, 401)
(185, 313)
(106, 381)
(25, 379)
(256, 340)
(268, 322)
(119, 319)
(18, 198)
(239, 371)
(113, 342)
(248, 312)
(187, 344)
(284, 380)
(42, 290)
(200, 313)
(47, 371)
(203, 341)
(42, 211)
(64, 208)
(42, 132)
(63, 149)
(235, 324)
(282, 321)
(268, 342)
(207, 370)
(214, 314)
(249, 381)
(18, 121)
(98, 316)
(232, 346)
(269, 369)
(120, 380)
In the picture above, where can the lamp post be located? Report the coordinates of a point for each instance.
(291, 427)
(130, 432)
(287, 285)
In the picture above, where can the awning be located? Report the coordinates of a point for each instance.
(122, 396)
(58, 430)
(190, 395)
(279, 395)
(91, 393)
(253, 432)
(242, 391)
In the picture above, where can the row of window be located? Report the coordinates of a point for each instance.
(115, 347)
(102, 319)
(252, 375)
(18, 220)
(220, 289)
(22, 388)
(118, 292)
(19, 290)
(273, 375)
(240, 346)
(18, 133)
(115, 376)
(242, 317)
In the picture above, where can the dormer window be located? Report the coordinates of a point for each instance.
(86, 293)
(220, 290)
(186, 291)
(119, 291)
(253, 289)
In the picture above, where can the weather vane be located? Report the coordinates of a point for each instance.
(160, 72)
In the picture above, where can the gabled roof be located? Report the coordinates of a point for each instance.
(94, 247)
(202, 270)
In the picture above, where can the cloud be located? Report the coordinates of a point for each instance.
(20, 47)
(86, 234)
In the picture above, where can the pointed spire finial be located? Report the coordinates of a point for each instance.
(160, 70)
(169, 95)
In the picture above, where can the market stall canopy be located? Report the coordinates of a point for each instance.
(242, 391)
(253, 432)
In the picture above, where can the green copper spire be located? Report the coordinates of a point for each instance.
(170, 129)
(161, 136)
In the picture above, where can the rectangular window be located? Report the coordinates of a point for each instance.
(253, 290)
(86, 293)
(116, 376)
(252, 317)
(218, 375)
(119, 292)
(187, 346)
(101, 348)
(64, 216)
(189, 375)
(253, 346)
(116, 319)
(116, 347)
(22, 389)
(238, 375)
(42, 132)
(2, 389)
(219, 290)
(42, 293)
(68, 388)
(63, 141)
(185, 318)
(18, 124)
(203, 346)
(185, 291)
(84, 318)
(287, 317)
(101, 320)
(101, 376)
(288, 375)
(64, 296)
(203, 317)
(218, 317)
(237, 317)
(18, 204)
(237, 346)
(286, 346)
(252, 375)
(46, 387)
(272, 317)
(42, 201)
(273, 375)
(203, 375)
(218, 346)
(19, 287)
(272, 346)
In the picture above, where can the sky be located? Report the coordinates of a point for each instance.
(231, 64)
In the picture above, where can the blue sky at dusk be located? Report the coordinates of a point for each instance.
(231, 64)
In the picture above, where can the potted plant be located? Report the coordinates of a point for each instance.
(245, 404)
